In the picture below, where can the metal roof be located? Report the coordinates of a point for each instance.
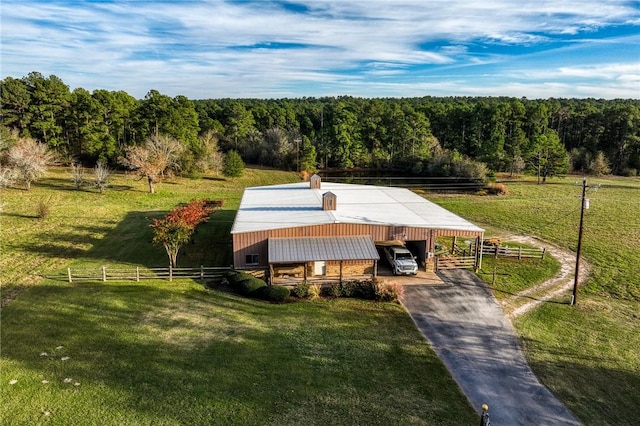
(292, 205)
(290, 250)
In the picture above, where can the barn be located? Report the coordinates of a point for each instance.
(316, 228)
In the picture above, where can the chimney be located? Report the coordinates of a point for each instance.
(315, 182)
(329, 201)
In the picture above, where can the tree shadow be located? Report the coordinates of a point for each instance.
(129, 241)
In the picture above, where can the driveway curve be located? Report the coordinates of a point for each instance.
(470, 333)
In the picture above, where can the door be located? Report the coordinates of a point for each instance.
(319, 268)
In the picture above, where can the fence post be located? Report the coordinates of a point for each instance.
(496, 255)
(69, 273)
(201, 272)
(170, 273)
(519, 253)
(104, 274)
(137, 274)
(544, 250)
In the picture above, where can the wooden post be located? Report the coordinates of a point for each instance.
(453, 244)
(497, 247)
(170, 273)
(201, 272)
(69, 273)
(137, 274)
(270, 281)
(305, 270)
(544, 250)
(375, 268)
(341, 272)
(519, 253)
(104, 274)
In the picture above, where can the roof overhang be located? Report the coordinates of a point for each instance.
(295, 250)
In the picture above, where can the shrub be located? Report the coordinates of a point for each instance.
(334, 290)
(250, 286)
(301, 290)
(348, 289)
(388, 292)
(314, 291)
(42, 209)
(364, 290)
(497, 189)
(273, 293)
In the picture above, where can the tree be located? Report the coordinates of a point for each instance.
(599, 165)
(77, 175)
(233, 165)
(177, 227)
(101, 174)
(548, 156)
(29, 160)
(207, 155)
(158, 155)
(308, 160)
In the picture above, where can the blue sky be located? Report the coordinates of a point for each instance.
(374, 48)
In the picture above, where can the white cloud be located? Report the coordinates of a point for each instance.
(203, 49)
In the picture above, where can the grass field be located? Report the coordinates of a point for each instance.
(175, 353)
(166, 353)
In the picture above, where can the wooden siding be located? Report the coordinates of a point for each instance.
(251, 243)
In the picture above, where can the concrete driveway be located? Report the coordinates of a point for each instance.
(470, 333)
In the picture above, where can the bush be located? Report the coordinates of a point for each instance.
(301, 290)
(497, 189)
(42, 209)
(364, 290)
(273, 293)
(250, 286)
(388, 292)
(334, 290)
(314, 291)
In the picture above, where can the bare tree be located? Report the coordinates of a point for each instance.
(7, 176)
(77, 175)
(29, 159)
(101, 174)
(211, 158)
(152, 160)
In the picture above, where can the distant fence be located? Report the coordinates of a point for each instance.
(519, 252)
(136, 274)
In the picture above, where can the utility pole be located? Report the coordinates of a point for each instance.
(575, 280)
(585, 205)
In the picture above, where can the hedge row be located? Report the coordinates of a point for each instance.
(370, 290)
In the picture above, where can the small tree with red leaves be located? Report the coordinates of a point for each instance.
(177, 227)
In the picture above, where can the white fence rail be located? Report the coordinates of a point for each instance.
(136, 274)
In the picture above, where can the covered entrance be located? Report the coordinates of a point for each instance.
(292, 260)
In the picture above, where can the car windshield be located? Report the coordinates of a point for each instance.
(403, 256)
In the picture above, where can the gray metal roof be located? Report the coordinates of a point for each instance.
(295, 205)
(290, 250)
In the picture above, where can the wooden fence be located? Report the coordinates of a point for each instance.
(455, 262)
(506, 251)
(136, 274)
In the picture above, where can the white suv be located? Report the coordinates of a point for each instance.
(401, 260)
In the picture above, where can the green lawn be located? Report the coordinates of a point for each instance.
(175, 353)
(588, 354)
(167, 353)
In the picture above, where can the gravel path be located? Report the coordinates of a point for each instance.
(554, 287)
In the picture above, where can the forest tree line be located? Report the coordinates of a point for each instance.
(458, 136)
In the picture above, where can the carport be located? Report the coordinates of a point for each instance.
(302, 257)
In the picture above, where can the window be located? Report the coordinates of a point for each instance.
(252, 259)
